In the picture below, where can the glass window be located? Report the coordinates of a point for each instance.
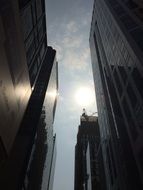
(27, 23)
(38, 8)
(109, 165)
(128, 22)
(119, 10)
(118, 83)
(138, 79)
(34, 12)
(33, 71)
(113, 160)
(130, 63)
(122, 72)
(23, 3)
(131, 95)
(139, 117)
(138, 37)
(30, 52)
(114, 3)
(29, 41)
(141, 158)
(130, 120)
(42, 50)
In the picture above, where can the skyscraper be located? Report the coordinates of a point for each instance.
(89, 172)
(116, 43)
(15, 86)
(28, 86)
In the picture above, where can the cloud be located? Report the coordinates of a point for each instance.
(72, 41)
(74, 61)
(72, 27)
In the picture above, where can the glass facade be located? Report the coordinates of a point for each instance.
(15, 87)
(41, 162)
(34, 34)
(27, 144)
(118, 75)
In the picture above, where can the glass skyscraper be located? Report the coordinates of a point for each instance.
(28, 97)
(116, 43)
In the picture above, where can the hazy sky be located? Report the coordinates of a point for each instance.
(68, 26)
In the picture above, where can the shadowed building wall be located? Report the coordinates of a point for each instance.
(116, 44)
(89, 172)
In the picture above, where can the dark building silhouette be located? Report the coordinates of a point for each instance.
(116, 43)
(89, 172)
(28, 96)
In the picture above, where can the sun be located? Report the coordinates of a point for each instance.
(84, 96)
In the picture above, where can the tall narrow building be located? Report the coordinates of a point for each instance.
(116, 43)
(28, 96)
(89, 172)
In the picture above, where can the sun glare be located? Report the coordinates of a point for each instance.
(84, 96)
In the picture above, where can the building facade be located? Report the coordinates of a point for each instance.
(116, 43)
(28, 96)
(39, 173)
(15, 86)
(33, 25)
(89, 172)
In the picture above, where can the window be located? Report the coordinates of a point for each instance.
(128, 22)
(33, 71)
(141, 158)
(130, 63)
(139, 117)
(138, 37)
(131, 95)
(130, 121)
(38, 8)
(113, 2)
(42, 50)
(27, 23)
(33, 12)
(23, 3)
(119, 10)
(118, 83)
(30, 52)
(122, 71)
(110, 165)
(113, 160)
(138, 79)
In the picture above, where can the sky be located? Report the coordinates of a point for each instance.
(68, 27)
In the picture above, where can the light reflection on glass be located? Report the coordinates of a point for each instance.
(52, 94)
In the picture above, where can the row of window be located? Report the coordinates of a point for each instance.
(34, 69)
(135, 30)
(130, 123)
(123, 61)
(34, 29)
(134, 119)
